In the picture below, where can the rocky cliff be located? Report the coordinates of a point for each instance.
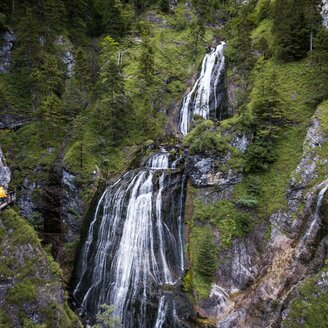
(31, 288)
(260, 274)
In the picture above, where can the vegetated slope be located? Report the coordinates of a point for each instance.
(248, 209)
(262, 205)
(80, 96)
(31, 292)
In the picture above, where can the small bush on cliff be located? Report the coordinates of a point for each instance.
(229, 220)
(204, 138)
(105, 318)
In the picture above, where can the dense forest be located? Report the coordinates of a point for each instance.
(123, 218)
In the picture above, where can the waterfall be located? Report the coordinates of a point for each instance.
(203, 99)
(316, 220)
(133, 250)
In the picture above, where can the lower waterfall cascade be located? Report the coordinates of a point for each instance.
(132, 257)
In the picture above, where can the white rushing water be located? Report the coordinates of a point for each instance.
(314, 223)
(134, 247)
(159, 161)
(198, 100)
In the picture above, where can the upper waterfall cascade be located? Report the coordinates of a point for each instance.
(134, 247)
(203, 98)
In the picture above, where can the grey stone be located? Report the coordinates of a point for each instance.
(5, 173)
(7, 41)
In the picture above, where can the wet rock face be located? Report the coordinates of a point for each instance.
(7, 40)
(26, 203)
(215, 304)
(66, 54)
(245, 263)
(71, 207)
(325, 13)
(12, 122)
(305, 170)
(4, 171)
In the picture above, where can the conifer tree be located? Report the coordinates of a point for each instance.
(113, 104)
(147, 62)
(294, 23)
(240, 52)
(165, 6)
(206, 260)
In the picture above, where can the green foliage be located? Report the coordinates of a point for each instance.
(320, 58)
(113, 106)
(294, 22)
(262, 38)
(206, 260)
(268, 110)
(230, 221)
(147, 63)
(105, 318)
(310, 308)
(22, 292)
(323, 116)
(268, 187)
(165, 6)
(262, 9)
(204, 138)
(19, 231)
(31, 324)
(239, 52)
(198, 284)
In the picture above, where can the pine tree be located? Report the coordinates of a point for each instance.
(165, 6)
(147, 62)
(78, 15)
(111, 20)
(27, 54)
(206, 260)
(113, 105)
(320, 60)
(294, 23)
(239, 52)
(268, 118)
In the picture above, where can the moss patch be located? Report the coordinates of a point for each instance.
(34, 279)
(310, 309)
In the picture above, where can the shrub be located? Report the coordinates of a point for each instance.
(204, 138)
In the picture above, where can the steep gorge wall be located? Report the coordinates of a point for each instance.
(31, 288)
(260, 274)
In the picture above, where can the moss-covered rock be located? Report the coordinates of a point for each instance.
(310, 307)
(31, 291)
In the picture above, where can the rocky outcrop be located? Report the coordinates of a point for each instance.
(71, 207)
(31, 292)
(266, 278)
(325, 13)
(12, 122)
(4, 171)
(26, 203)
(66, 54)
(7, 40)
(205, 170)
